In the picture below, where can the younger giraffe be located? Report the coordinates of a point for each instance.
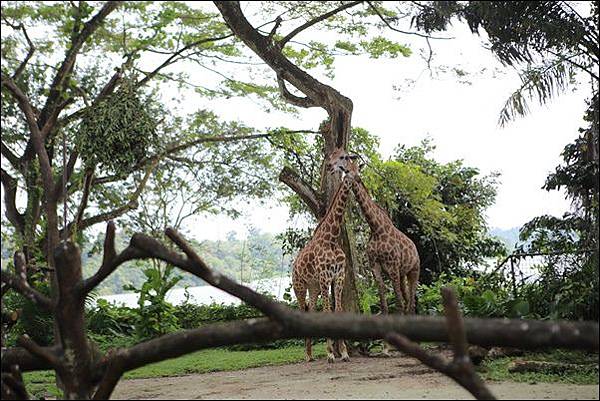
(322, 262)
(389, 250)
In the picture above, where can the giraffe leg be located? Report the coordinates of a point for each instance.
(300, 291)
(313, 294)
(376, 269)
(325, 285)
(382, 299)
(405, 291)
(338, 290)
(413, 281)
(399, 291)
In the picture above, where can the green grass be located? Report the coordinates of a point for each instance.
(497, 369)
(211, 360)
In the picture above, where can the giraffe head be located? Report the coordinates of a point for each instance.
(341, 162)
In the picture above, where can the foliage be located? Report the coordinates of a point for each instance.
(439, 206)
(192, 316)
(155, 316)
(585, 372)
(105, 319)
(118, 132)
(479, 296)
(568, 286)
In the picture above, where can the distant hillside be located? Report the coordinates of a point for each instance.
(509, 236)
(258, 257)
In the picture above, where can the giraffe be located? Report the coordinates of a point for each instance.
(389, 250)
(321, 263)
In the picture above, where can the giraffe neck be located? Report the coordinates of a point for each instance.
(374, 214)
(332, 222)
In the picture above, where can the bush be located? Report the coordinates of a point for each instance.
(479, 295)
(108, 319)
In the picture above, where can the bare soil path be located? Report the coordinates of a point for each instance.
(361, 378)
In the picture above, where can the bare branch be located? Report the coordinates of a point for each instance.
(36, 139)
(11, 157)
(52, 107)
(291, 98)
(10, 201)
(460, 369)
(87, 184)
(310, 196)
(20, 284)
(110, 259)
(30, 52)
(45, 354)
(456, 329)
(130, 205)
(314, 21)
(174, 56)
(112, 375)
(175, 147)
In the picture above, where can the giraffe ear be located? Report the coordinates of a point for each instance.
(360, 166)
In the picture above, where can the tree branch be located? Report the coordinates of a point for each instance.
(45, 354)
(460, 369)
(291, 98)
(311, 197)
(11, 157)
(382, 18)
(52, 107)
(110, 259)
(13, 387)
(87, 184)
(19, 283)
(130, 205)
(30, 52)
(10, 202)
(314, 21)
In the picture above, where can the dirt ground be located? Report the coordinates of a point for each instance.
(362, 378)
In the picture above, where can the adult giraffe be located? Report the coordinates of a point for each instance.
(321, 263)
(389, 250)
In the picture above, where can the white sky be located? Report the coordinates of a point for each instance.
(461, 119)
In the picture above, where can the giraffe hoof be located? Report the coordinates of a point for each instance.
(345, 358)
(330, 359)
(309, 359)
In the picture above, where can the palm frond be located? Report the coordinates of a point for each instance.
(539, 82)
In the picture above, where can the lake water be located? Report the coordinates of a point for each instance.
(207, 294)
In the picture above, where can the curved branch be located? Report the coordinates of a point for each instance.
(26, 290)
(311, 197)
(10, 201)
(291, 98)
(11, 157)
